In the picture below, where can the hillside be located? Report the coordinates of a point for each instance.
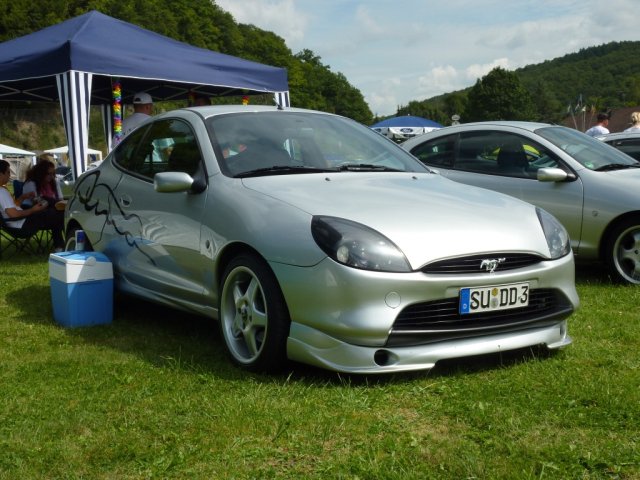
(603, 77)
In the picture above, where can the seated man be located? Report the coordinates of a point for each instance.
(31, 220)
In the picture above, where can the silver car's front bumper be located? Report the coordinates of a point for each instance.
(314, 347)
(342, 318)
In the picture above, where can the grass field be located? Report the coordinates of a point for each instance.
(153, 396)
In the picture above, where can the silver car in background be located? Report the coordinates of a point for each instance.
(312, 238)
(627, 142)
(589, 186)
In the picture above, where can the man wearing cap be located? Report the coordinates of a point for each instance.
(142, 108)
(599, 128)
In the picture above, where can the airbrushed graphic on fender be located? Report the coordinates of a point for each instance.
(87, 192)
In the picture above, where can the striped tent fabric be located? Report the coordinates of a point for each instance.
(282, 99)
(74, 89)
(106, 111)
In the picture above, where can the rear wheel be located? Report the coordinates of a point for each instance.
(254, 319)
(623, 252)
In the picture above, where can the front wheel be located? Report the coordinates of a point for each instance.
(254, 319)
(623, 252)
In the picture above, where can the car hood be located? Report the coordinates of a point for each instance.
(427, 216)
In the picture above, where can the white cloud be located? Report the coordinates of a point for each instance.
(279, 16)
(476, 71)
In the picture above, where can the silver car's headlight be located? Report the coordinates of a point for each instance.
(357, 245)
(556, 235)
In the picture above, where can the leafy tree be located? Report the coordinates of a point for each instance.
(548, 109)
(499, 95)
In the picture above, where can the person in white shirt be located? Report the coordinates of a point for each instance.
(142, 109)
(635, 123)
(30, 220)
(599, 128)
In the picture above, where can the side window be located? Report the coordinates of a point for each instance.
(629, 146)
(436, 153)
(502, 153)
(124, 153)
(167, 145)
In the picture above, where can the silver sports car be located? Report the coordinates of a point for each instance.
(312, 238)
(589, 186)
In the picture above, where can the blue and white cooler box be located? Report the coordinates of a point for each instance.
(81, 288)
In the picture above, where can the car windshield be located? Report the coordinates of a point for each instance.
(590, 152)
(286, 142)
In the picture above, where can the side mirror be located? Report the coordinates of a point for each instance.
(171, 182)
(553, 174)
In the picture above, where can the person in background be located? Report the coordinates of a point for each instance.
(41, 180)
(30, 220)
(635, 123)
(599, 128)
(142, 109)
(201, 101)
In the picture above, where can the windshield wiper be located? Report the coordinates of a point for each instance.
(282, 170)
(616, 166)
(366, 167)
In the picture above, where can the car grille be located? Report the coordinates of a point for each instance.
(438, 321)
(472, 264)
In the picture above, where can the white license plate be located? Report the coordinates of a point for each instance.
(496, 297)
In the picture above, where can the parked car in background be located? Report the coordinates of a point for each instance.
(61, 171)
(627, 142)
(67, 181)
(589, 186)
(311, 237)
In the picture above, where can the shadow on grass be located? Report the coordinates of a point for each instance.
(592, 273)
(158, 335)
(163, 336)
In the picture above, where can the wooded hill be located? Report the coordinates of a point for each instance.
(599, 78)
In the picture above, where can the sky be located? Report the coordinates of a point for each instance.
(398, 51)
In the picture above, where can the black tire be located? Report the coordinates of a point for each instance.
(253, 316)
(70, 243)
(622, 252)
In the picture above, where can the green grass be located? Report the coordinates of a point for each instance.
(153, 396)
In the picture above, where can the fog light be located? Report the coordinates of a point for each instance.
(384, 358)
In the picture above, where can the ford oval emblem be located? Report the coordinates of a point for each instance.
(406, 130)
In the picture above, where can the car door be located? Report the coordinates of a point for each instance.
(508, 163)
(158, 249)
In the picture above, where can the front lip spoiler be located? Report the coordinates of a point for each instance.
(313, 347)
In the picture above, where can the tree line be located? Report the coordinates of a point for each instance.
(595, 79)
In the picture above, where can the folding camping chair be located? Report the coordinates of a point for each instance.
(20, 241)
(15, 240)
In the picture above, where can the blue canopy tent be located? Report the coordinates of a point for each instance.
(405, 126)
(74, 62)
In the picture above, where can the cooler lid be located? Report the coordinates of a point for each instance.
(78, 257)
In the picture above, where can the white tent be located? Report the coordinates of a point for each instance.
(7, 150)
(65, 151)
(19, 160)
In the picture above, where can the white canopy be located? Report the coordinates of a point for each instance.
(7, 150)
(65, 150)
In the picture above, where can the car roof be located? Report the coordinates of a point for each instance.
(618, 136)
(213, 110)
(531, 126)
(527, 126)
